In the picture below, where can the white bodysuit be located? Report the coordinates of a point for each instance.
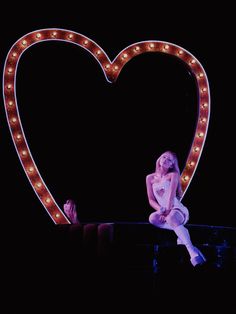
(161, 192)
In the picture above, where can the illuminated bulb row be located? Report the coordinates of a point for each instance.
(108, 66)
(125, 56)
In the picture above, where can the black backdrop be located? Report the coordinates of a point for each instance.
(94, 141)
(105, 138)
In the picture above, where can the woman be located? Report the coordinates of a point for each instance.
(70, 211)
(164, 194)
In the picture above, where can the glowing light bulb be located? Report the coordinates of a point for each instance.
(13, 120)
(196, 149)
(193, 61)
(14, 54)
(180, 52)
(98, 52)
(204, 105)
(204, 89)
(151, 46)
(24, 153)
(200, 134)
(18, 136)
(9, 86)
(85, 42)
(38, 184)
(166, 47)
(10, 70)
(31, 169)
(137, 48)
(57, 215)
(200, 75)
(124, 56)
(10, 103)
(191, 164)
(202, 120)
(38, 36)
(54, 34)
(70, 36)
(48, 200)
(186, 178)
(107, 66)
(116, 67)
(24, 42)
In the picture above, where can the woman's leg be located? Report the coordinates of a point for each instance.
(154, 219)
(175, 220)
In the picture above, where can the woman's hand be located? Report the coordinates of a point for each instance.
(167, 211)
(162, 218)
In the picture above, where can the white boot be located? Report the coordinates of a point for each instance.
(196, 257)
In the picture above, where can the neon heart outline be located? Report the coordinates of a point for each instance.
(111, 71)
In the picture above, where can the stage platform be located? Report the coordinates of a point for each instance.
(123, 262)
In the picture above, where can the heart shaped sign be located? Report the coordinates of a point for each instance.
(111, 71)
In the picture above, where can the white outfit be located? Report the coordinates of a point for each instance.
(161, 192)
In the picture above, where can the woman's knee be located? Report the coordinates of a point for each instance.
(153, 219)
(175, 219)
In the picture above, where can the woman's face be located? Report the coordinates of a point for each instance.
(166, 160)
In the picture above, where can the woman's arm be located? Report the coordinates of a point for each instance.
(152, 201)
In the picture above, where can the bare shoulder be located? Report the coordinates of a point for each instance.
(149, 177)
(173, 176)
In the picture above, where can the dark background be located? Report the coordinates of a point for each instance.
(94, 141)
